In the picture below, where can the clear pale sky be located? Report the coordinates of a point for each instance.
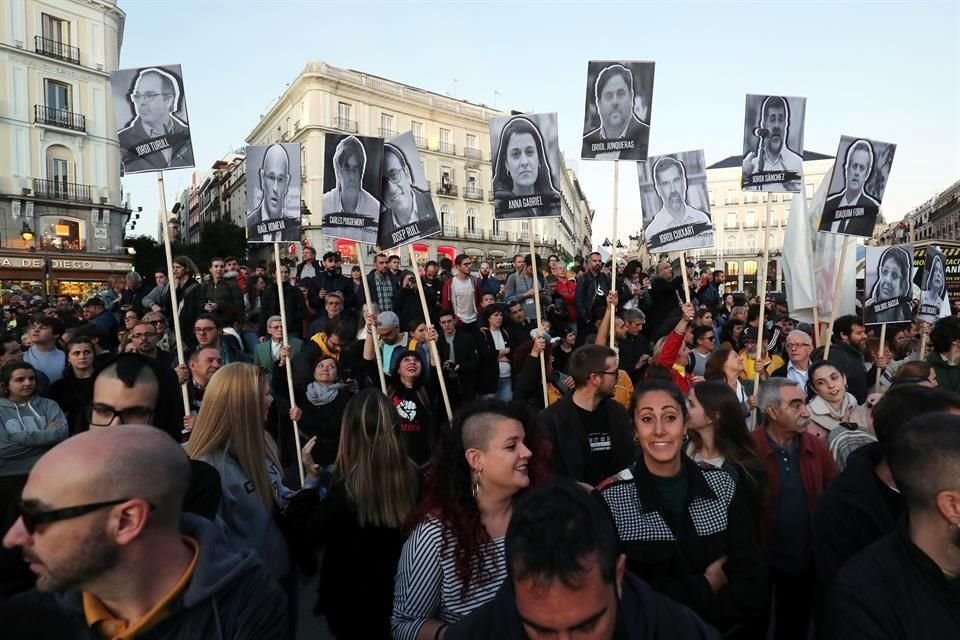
(883, 70)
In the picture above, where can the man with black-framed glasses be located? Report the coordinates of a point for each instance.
(102, 529)
(591, 434)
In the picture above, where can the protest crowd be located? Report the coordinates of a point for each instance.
(650, 491)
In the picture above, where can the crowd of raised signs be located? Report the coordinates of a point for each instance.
(650, 491)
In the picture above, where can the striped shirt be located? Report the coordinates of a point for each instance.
(428, 587)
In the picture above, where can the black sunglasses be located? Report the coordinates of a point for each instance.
(31, 519)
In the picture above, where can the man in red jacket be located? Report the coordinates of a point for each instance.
(799, 466)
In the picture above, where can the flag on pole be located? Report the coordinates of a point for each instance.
(810, 260)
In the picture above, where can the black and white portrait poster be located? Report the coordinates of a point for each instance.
(859, 179)
(351, 175)
(888, 281)
(933, 290)
(526, 166)
(616, 121)
(675, 202)
(407, 213)
(773, 143)
(150, 112)
(273, 192)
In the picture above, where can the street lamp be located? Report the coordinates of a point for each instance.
(26, 232)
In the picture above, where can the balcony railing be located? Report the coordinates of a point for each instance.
(502, 236)
(343, 124)
(387, 133)
(472, 193)
(57, 190)
(476, 234)
(446, 147)
(450, 231)
(450, 190)
(56, 49)
(472, 153)
(59, 118)
(420, 141)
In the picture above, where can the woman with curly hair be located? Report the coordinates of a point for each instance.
(453, 562)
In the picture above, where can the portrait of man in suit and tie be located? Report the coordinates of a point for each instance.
(617, 120)
(407, 212)
(273, 188)
(151, 118)
(851, 209)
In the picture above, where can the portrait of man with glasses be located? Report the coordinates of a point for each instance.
(273, 193)
(407, 212)
(151, 119)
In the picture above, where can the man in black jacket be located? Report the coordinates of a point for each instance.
(666, 293)
(863, 503)
(124, 558)
(330, 279)
(846, 351)
(905, 584)
(458, 353)
(592, 289)
(590, 431)
(583, 591)
(292, 299)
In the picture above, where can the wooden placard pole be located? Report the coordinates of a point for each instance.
(763, 306)
(683, 274)
(288, 365)
(536, 302)
(923, 344)
(613, 254)
(837, 283)
(883, 344)
(175, 306)
(376, 340)
(434, 353)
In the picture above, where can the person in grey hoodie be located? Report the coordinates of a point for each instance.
(125, 562)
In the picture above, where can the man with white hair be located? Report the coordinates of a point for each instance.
(799, 346)
(348, 206)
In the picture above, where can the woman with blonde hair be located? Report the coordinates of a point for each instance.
(228, 434)
(359, 523)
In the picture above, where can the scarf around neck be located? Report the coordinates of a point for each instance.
(322, 394)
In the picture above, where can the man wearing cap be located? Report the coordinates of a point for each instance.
(94, 313)
(392, 340)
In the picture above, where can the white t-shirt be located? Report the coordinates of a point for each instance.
(463, 299)
(498, 343)
(51, 363)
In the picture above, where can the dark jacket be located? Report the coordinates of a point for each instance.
(893, 590)
(418, 414)
(374, 292)
(642, 614)
(664, 301)
(671, 552)
(948, 377)
(433, 291)
(228, 297)
(710, 295)
(488, 371)
(229, 597)
(292, 300)
(323, 422)
(591, 291)
(359, 562)
(407, 307)
(561, 422)
(74, 395)
(490, 284)
(330, 282)
(856, 510)
(817, 468)
(464, 380)
(189, 301)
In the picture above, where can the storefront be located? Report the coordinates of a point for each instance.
(76, 275)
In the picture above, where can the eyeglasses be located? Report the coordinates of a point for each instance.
(394, 176)
(204, 329)
(103, 415)
(32, 519)
(148, 97)
(158, 322)
(710, 338)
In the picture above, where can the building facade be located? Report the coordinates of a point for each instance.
(454, 143)
(60, 193)
(937, 219)
(739, 222)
